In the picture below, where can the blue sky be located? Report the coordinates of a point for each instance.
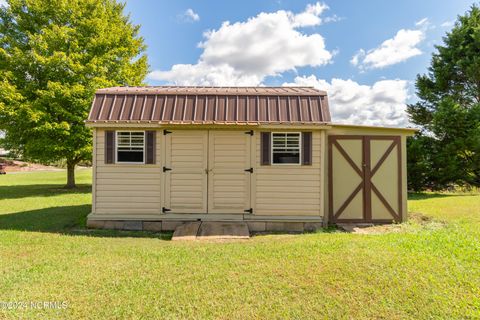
(279, 42)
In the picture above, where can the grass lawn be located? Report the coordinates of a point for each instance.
(426, 271)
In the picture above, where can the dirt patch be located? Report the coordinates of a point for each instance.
(376, 229)
(419, 218)
(416, 222)
(21, 166)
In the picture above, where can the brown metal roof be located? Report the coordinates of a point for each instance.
(204, 105)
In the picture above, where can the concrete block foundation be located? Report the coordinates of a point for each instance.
(171, 225)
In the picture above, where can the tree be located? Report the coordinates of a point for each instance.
(419, 163)
(449, 108)
(54, 54)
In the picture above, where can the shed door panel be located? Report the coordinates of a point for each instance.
(228, 182)
(365, 179)
(347, 178)
(186, 182)
(385, 178)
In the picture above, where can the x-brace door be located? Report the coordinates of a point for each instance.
(364, 178)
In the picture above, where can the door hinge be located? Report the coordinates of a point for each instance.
(165, 209)
(249, 170)
(165, 132)
(166, 169)
(249, 132)
(248, 210)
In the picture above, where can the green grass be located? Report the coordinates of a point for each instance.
(427, 271)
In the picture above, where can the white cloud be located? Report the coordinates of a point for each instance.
(244, 53)
(422, 22)
(403, 46)
(448, 24)
(357, 56)
(190, 16)
(333, 18)
(206, 74)
(311, 15)
(382, 103)
(3, 3)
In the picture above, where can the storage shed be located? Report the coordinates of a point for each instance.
(267, 156)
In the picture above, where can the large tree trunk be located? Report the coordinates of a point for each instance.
(70, 174)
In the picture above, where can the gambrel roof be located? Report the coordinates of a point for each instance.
(210, 105)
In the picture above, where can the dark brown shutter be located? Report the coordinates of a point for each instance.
(109, 146)
(265, 144)
(150, 147)
(306, 148)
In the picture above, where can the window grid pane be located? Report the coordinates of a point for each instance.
(130, 146)
(286, 148)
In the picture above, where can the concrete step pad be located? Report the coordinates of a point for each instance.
(211, 230)
(186, 231)
(223, 230)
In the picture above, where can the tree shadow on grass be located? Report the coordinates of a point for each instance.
(426, 195)
(69, 220)
(40, 190)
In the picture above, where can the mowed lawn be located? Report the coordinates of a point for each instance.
(428, 270)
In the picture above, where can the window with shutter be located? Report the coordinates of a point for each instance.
(286, 147)
(130, 147)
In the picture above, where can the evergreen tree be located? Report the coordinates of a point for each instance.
(449, 110)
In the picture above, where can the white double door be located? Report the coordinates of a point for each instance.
(207, 171)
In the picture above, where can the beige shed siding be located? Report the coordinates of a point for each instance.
(289, 190)
(136, 191)
(126, 188)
